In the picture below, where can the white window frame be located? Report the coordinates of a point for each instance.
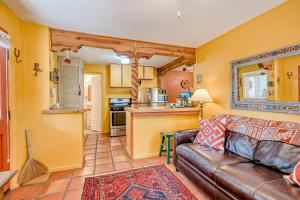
(253, 74)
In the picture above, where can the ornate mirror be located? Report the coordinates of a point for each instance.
(268, 81)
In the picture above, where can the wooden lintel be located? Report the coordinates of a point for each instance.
(64, 40)
(174, 64)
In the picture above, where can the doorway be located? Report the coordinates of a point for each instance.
(4, 139)
(93, 102)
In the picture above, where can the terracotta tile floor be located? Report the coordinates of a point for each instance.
(102, 155)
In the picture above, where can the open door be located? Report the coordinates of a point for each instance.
(96, 104)
(4, 142)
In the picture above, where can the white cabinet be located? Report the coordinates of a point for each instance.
(120, 75)
(145, 73)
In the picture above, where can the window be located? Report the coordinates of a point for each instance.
(255, 85)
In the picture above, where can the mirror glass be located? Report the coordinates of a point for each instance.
(271, 81)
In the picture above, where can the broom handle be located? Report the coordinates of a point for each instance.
(29, 147)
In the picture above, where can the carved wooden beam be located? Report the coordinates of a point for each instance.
(63, 40)
(174, 64)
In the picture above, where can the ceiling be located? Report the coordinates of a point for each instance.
(92, 55)
(147, 20)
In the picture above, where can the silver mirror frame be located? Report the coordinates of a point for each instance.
(282, 107)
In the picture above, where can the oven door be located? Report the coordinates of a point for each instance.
(117, 119)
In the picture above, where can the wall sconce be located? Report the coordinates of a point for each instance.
(198, 78)
(36, 68)
(289, 74)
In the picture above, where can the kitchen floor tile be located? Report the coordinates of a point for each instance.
(139, 163)
(101, 161)
(100, 169)
(86, 171)
(55, 196)
(122, 165)
(39, 179)
(118, 153)
(104, 149)
(103, 155)
(120, 158)
(89, 151)
(89, 156)
(76, 183)
(73, 195)
(26, 192)
(117, 148)
(61, 175)
(55, 186)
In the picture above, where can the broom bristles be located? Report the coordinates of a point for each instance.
(31, 169)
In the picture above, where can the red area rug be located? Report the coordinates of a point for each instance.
(151, 183)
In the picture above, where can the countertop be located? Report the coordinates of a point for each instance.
(151, 111)
(65, 110)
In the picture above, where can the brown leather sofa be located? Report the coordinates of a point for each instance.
(253, 171)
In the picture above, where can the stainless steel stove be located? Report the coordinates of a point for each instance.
(118, 115)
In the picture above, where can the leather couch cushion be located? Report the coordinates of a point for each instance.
(206, 159)
(240, 144)
(279, 189)
(279, 155)
(242, 179)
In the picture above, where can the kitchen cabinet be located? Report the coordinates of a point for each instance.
(148, 73)
(120, 75)
(126, 75)
(115, 75)
(145, 73)
(140, 72)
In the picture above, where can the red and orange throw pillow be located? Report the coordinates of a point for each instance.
(294, 177)
(211, 133)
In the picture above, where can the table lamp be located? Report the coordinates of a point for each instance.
(201, 96)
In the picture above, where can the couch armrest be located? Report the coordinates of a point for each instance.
(181, 137)
(184, 136)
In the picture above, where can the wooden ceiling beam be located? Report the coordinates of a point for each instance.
(174, 64)
(68, 40)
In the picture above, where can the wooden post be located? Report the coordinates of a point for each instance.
(134, 81)
(159, 83)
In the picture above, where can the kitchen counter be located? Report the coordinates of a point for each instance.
(155, 111)
(65, 110)
(144, 124)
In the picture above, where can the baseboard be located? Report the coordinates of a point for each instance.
(145, 155)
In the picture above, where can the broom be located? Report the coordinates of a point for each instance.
(32, 168)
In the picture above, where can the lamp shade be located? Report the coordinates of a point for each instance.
(202, 96)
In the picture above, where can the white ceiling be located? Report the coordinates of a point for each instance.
(147, 20)
(106, 56)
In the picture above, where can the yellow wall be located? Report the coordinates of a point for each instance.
(14, 26)
(57, 140)
(276, 28)
(108, 92)
(288, 87)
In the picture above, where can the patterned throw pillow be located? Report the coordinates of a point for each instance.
(211, 133)
(294, 177)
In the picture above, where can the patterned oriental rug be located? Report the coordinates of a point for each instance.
(151, 183)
